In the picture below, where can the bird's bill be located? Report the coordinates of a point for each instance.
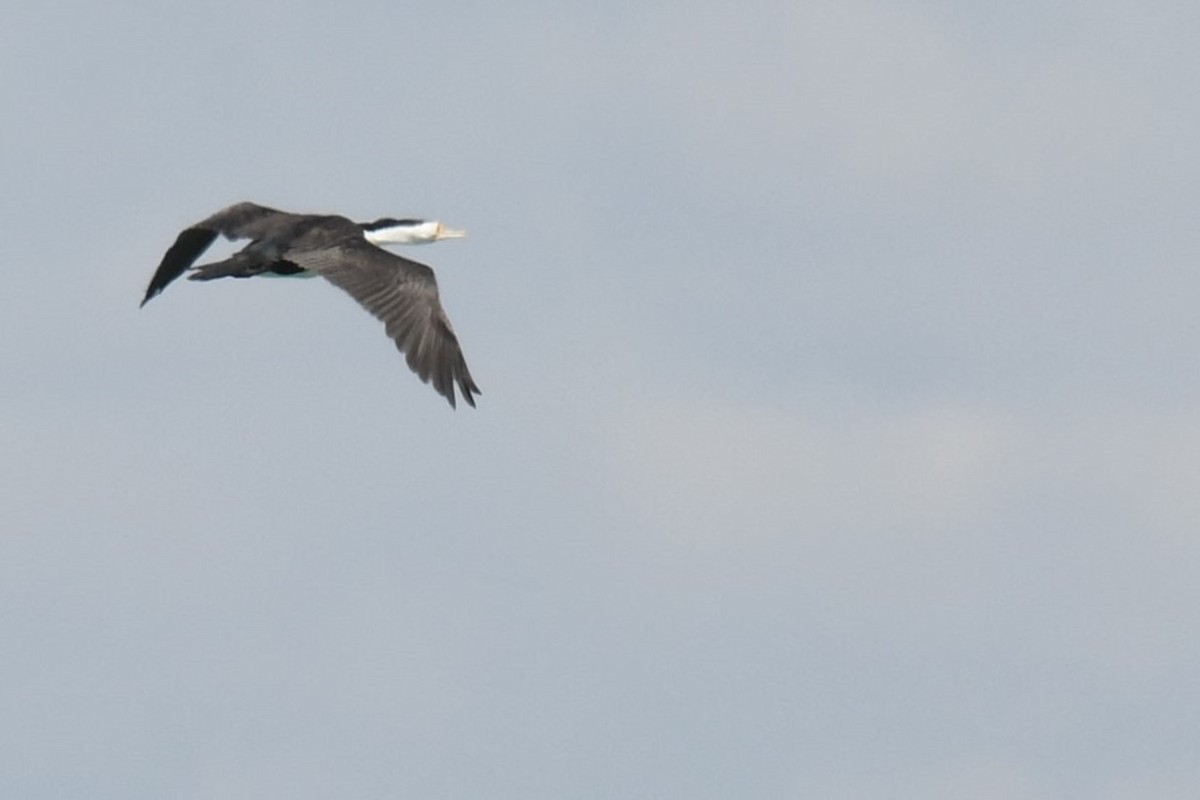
(448, 233)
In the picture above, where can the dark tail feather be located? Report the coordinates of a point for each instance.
(237, 267)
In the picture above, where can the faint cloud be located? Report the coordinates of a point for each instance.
(734, 472)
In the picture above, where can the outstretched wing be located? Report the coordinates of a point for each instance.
(240, 221)
(403, 295)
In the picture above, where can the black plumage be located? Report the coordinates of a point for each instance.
(399, 292)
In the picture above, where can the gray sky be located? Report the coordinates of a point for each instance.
(840, 434)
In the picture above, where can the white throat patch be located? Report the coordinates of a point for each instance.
(424, 233)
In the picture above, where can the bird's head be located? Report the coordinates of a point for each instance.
(408, 231)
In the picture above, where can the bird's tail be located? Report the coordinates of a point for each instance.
(229, 268)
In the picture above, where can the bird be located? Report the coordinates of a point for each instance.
(397, 291)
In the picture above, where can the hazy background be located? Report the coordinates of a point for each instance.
(840, 434)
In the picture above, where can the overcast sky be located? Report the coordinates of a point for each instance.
(840, 427)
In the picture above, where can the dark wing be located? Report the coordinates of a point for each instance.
(403, 295)
(241, 221)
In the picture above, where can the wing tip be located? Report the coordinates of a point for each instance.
(188, 246)
(468, 396)
(466, 388)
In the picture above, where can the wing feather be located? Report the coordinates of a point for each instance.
(403, 295)
(239, 221)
